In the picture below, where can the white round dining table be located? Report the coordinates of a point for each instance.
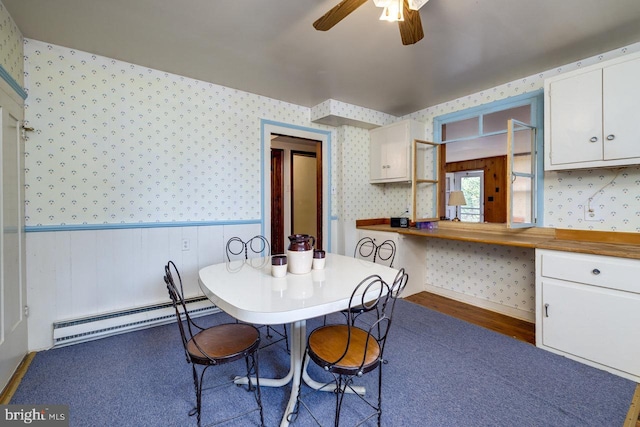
(246, 290)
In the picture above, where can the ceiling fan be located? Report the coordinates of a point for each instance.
(404, 11)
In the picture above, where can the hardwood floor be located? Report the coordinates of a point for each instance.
(516, 328)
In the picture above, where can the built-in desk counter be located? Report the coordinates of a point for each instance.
(623, 245)
(587, 297)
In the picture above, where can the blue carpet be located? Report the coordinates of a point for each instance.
(441, 372)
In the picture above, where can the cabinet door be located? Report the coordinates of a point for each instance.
(396, 151)
(621, 130)
(593, 323)
(576, 118)
(376, 165)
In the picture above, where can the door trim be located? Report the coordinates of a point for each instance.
(267, 127)
(277, 200)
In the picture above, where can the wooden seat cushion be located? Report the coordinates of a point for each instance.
(327, 343)
(224, 343)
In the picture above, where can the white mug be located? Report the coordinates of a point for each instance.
(279, 265)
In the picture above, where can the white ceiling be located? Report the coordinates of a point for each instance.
(269, 47)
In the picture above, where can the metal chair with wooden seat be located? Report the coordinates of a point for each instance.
(215, 345)
(380, 253)
(258, 245)
(350, 350)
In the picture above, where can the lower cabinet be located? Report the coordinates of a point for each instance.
(588, 309)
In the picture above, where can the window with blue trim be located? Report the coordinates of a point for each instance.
(476, 139)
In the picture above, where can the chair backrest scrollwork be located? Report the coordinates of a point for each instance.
(383, 253)
(240, 249)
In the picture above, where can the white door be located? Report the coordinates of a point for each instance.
(13, 322)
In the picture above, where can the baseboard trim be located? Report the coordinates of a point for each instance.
(482, 303)
(16, 378)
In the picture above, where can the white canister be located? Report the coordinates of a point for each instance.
(300, 262)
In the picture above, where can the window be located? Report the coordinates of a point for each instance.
(477, 139)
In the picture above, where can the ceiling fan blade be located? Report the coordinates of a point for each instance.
(337, 14)
(411, 28)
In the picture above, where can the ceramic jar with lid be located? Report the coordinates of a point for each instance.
(300, 253)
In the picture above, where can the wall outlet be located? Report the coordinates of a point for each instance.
(592, 213)
(186, 245)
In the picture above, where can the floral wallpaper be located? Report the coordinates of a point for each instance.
(615, 192)
(120, 143)
(11, 56)
(566, 192)
(502, 274)
(112, 139)
(506, 275)
(359, 198)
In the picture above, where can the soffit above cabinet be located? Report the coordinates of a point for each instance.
(336, 113)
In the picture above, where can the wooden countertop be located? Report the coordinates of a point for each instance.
(617, 244)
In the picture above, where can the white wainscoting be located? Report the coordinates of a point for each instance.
(72, 274)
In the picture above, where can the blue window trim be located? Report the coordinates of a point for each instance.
(530, 98)
(536, 100)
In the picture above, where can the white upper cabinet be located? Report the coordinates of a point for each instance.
(390, 155)
(592, 116)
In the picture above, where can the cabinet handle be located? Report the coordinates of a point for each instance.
(594, 139)
(546, 310)
(595, 271)
(611, 137)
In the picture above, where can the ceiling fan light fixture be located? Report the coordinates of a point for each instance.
(393, 11)
(409, 22)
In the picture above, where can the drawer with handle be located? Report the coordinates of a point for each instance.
(597, 270)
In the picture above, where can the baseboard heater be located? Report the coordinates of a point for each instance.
(90, 328)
